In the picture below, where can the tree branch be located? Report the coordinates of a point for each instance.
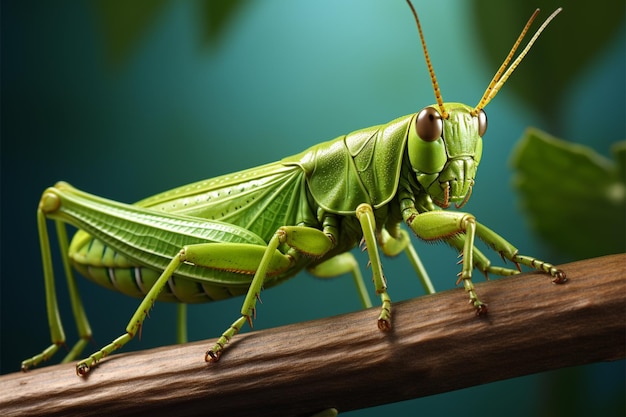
(437, 345)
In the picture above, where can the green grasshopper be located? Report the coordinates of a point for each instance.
(253, 229)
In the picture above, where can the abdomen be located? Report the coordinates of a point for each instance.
(110, 269)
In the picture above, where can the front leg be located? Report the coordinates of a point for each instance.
(507, 251)
(510, 252)
(459, 230)
(446, 225)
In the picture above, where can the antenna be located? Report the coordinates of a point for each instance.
(433, 78)
(498, 80)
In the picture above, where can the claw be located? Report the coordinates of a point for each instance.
(211, 356)
(82, 369)
(384, 325)
(560, 277)
(481, 309)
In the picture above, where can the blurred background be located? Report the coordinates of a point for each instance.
(127, 99)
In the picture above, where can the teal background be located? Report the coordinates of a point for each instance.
(284, 76)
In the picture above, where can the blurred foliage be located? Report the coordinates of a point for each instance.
(576, 198)
(567, 44)
(215, 17)
(125, 23)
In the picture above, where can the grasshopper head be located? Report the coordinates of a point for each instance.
(445, 153)
(445, 140)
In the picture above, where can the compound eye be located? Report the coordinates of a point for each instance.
(429, 125)
(482, 123)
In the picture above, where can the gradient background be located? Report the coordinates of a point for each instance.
(283, 76)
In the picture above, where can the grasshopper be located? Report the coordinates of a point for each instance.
(241, 232)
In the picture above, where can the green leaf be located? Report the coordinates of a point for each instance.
(574, 197)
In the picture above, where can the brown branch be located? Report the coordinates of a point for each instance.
(437, 345)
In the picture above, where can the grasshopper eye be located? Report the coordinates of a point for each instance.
(482, 123)
(429, 125)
